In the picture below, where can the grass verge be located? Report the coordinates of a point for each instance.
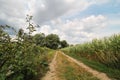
(112, 73)
(44, 63)
(68, 70)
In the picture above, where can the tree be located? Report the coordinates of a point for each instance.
(64, 44)
(4, 36)
(17, 59)
(39, 39)
(31, 26)
(20, 34)
(52, 41)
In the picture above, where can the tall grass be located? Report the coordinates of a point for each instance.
(102, 55)
(105, 51)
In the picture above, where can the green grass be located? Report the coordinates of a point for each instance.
(44, 63)
(71, 74)
(102, 55)
(105, 51)
(68, 70)
(111, 72)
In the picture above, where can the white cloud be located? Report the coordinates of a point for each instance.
(47, 10)
(44, 29)
(100, 1)
(13, 13)
(76, 30)
(94, 22)
(79, 30)
(51, 9)
(113, 21)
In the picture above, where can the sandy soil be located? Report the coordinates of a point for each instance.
(51, 74)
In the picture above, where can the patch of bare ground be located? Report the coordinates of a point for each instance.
(51, 74)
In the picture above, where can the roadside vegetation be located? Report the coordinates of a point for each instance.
(22, 58)
(102, 55)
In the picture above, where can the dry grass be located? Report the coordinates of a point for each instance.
(68, 70)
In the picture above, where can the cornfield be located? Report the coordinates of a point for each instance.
(105, 51)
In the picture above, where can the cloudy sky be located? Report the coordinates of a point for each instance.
(76, 21)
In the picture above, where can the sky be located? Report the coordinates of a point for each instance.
(76, 21)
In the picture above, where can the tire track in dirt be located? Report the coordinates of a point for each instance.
(99, 75)
(51, 74)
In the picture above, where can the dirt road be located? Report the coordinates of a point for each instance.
(51, 75)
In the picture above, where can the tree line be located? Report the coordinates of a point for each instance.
(51, 41)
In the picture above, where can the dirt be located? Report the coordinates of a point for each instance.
(51, 74)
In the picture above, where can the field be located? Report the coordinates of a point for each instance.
(102, 55)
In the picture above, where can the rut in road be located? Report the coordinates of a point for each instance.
(99, 75)
(52, 75)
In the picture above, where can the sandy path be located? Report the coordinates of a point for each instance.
(51, 74)
(99, 75)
